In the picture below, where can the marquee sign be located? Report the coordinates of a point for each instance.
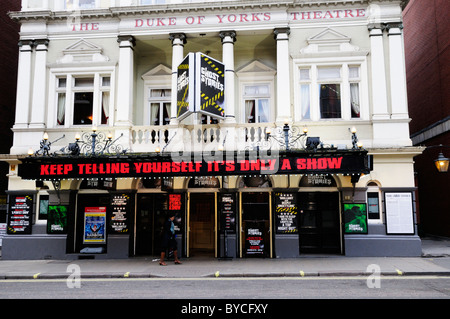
(350, 162)
(200, 86)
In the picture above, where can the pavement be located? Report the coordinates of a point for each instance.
(435, 261)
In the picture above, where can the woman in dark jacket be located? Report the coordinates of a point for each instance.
(168, 240)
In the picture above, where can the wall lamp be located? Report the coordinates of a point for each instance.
(44, 146)
(441, 162)
(355, 143)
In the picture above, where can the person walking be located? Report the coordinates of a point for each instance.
(168, 240)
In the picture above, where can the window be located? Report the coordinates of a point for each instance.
(159, 100)
(43, 206)
(83, 99)
(328, 92)
(80, 4)
(373, 202)
(256, 100)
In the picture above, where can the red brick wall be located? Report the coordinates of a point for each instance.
(9, 34)
(427, 50)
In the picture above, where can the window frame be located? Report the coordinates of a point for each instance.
(343, 63)
(158, 100)
(98, 90)
(375, 190)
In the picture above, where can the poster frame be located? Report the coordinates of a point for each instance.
(100, 213)
(365, 214)
(49, 218)
(388, 232)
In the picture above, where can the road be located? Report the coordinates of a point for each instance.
(398, 287)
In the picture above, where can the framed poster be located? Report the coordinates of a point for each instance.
(286, 213)
(20, 211)
(57, 219)
(399, 213)
(120, 209)
(228, 212)
(355, 218)
(94, 225)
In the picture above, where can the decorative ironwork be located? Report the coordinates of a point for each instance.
(44, 146)
(94, 144)
(289, 137)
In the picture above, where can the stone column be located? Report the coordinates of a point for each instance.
(397, 72)
(125, 85)
(178, 42)
(379, 93)
(38, 109)
(23, 84)
(283, 106)
(228, 39)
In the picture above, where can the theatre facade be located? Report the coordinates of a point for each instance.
(271, 130)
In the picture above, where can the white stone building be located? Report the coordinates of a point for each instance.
(328, 67)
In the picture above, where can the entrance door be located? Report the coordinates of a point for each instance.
(255, 234)
(202, 224)
(319, 224)
(150, 213)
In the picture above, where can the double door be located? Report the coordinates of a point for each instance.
(319, 222)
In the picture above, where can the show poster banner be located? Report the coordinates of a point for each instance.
(57, 219)
(19, 214)
(200, 86)
(211, 86)
(286, 213)
(94, 225)
(228, 212)
(254, 238)
(120, 208)
(355, 218)
(185, 93)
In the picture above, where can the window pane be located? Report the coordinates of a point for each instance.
(154, 114)
(87, 4)
(354, 100)
(305, 101)
(304, 74)
(166, 113)
(255, 90)
(43, 206)
(62, 82)
(61, 109)
(106, 81)
(84, 82)
(250, 111)
(330, 100)
(82, 108)
(353, 72)
(105, 107)
(263, 111)
(374, 209)
(329, 73)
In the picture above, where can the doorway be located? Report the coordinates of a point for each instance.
(255, 230)
(202, 224)
(319, 223)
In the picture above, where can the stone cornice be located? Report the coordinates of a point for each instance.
(186, 8)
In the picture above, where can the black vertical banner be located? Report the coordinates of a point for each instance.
(20, 211)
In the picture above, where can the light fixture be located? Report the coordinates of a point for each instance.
(441, 163)
(287, 136)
